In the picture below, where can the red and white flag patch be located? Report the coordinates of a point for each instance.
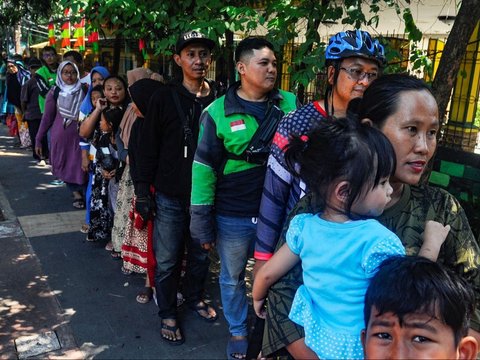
(237, 125)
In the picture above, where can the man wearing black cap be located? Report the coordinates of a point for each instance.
(169, 137)
(31, 109)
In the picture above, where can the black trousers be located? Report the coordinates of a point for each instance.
(33, 126)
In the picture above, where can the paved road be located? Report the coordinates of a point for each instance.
(51, 279)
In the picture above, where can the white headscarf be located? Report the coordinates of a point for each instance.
(70, 96)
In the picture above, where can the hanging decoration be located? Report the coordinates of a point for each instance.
(51, 34)
(93, 40)
(143, 49)
(79, 35)
(66, 30)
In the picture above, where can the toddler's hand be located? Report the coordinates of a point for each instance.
(433, 237)
(435, 232)
(259, 307)
(101, 104)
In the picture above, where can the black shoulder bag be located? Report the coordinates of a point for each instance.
(258, 149)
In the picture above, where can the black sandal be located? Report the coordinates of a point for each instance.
(78, 204)
(203, 306)
(174, 330)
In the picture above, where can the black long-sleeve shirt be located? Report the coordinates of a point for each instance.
(161, 159)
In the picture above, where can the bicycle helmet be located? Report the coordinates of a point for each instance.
(355, 43)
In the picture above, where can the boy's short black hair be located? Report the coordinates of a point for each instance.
(50, 49)
(114, 116)
(34, 63)
(247, 45)
(412, 284)
(75, 55)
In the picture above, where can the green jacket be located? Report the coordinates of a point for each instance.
(233, 187)
(45, 80)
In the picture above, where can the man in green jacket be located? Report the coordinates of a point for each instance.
(226, 184)
(47, 74)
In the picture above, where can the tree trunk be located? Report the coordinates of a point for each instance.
(455, 48)
(17, 38)
(230, 62)
(117, 47)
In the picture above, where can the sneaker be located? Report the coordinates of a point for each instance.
(42, 163)
(57, 182)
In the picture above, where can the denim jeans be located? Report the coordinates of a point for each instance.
(235, 242)
(171, 235)
(88, 196)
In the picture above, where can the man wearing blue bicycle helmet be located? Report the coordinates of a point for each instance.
(353, 61)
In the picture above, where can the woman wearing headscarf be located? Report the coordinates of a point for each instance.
(97, 75)
(125, 188)
(6, 109)
(62, 108)
(17, 76)
(103, 198)
(137, 251)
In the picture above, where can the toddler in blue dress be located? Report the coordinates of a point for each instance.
(347, 166)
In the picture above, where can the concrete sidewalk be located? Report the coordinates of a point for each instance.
(70, 293)
(31, 319)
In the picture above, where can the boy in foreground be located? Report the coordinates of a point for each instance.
(416, 309)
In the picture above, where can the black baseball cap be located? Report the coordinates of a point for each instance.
(190, 37)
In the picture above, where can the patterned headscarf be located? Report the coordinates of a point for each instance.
(70, 96)
(23, 74)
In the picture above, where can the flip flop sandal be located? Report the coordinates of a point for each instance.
(173, 329)
(237, 349)
(56, 182)
(109, 246)
(78, 204)
(145, 296)
(84, 228)
(204, 307)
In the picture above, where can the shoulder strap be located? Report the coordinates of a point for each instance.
(187, 132)
(263, 136)
(56, 92)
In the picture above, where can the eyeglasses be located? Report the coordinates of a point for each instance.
(48, 55)
(69, 73)
(359, 75)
